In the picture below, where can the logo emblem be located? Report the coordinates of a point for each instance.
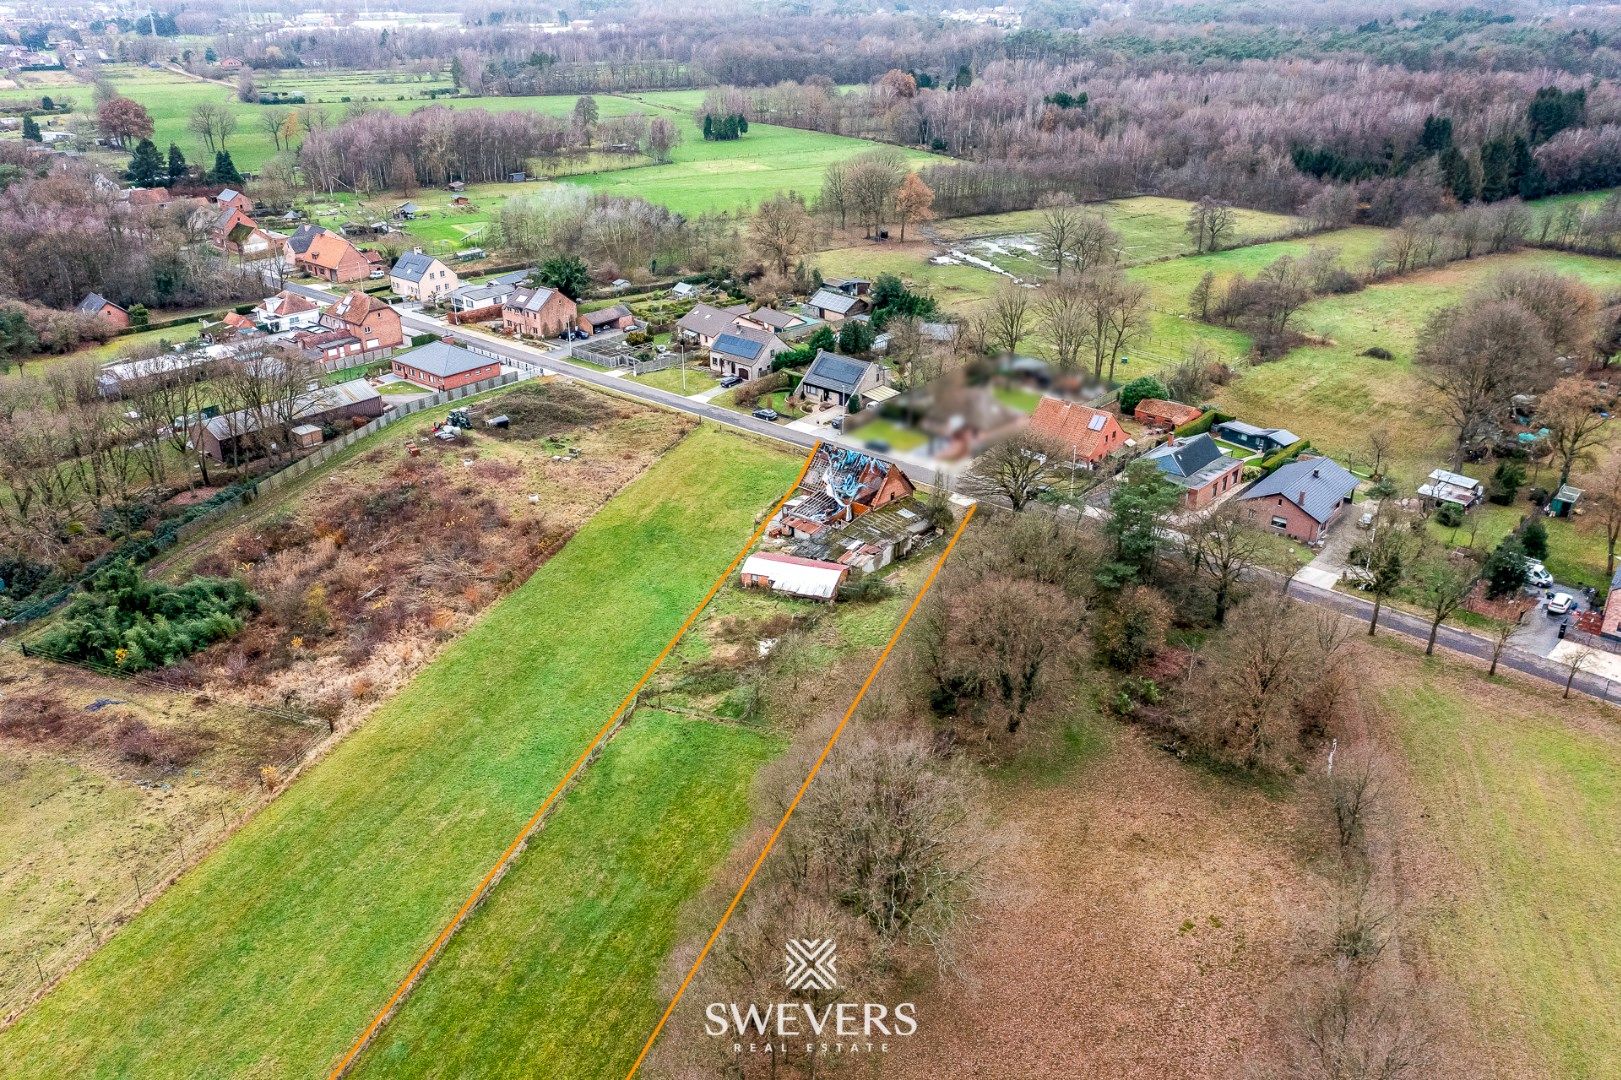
(812, 964)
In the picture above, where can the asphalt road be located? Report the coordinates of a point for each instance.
(1456, 640)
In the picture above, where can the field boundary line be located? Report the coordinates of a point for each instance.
(815, 768)
(496, 872)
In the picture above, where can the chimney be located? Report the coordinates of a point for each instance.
(1302, 496)
(1317, 474)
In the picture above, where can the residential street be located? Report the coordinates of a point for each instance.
(1310, 586)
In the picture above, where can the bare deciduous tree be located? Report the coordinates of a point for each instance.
(1009, 317)
(1476, 357)
(1222, 548)
(781, 231)
(1012, 471)
(1571, 413)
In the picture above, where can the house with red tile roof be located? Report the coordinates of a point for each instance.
(370, 321)
(1086, 435)
(1160, 413)
(330, 257)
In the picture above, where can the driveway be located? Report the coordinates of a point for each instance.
(1327, 567)
(1539, 631)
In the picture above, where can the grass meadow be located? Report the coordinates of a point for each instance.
(1150, 227)
(562, 965)
(704, 176)
(308, 917)
(1523, 794)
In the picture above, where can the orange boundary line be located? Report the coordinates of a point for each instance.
(800, 794)
(579, 763)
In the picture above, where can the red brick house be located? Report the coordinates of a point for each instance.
(1087, 435)
(841, 484)
(538, 311)
(1199, 467)
(1301, 499)
(365, 318)
(230, 197)
(333, 349)
(103, 309)
(617, 317)
(332, 258)
(441, 365)
(1160, 413)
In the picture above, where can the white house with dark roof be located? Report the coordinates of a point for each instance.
(834, 379)
(744, 351)
(421, 277)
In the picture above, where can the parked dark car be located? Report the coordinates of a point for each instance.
(731, 381)
(765, 414)
(877, 445)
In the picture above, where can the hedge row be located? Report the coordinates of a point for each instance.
(1282, 457)
(1208, 420)
(166, 324)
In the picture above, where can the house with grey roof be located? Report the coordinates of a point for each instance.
(705, 322)
(777, 322)
(102, 308)
(833, 379)
(1301, 499)
(491, 294)
(1264, 440)
(417, 276)
(834, 306)
(250, 433)
(1197, 466)
(744, 351)
(303, 237)
(442, 365)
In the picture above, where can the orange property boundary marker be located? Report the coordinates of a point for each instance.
(512, 850)
(771, 841)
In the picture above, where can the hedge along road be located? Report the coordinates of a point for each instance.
(272, 954)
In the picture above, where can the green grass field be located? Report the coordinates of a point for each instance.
(703, 175)
(308, 918)
(1524, 795)
(707, 176)
(562, 965)
(1576, 546)
(1331, 393)
(954, 285)
(1150, 227)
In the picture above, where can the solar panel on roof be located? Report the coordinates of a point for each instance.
(1096, 423)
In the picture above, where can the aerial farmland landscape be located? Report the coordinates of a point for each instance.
(757, 541)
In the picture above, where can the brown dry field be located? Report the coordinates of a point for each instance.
(1151, 919)
(1152, 910)
(365, 570)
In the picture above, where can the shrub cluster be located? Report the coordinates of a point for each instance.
(123, 621)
